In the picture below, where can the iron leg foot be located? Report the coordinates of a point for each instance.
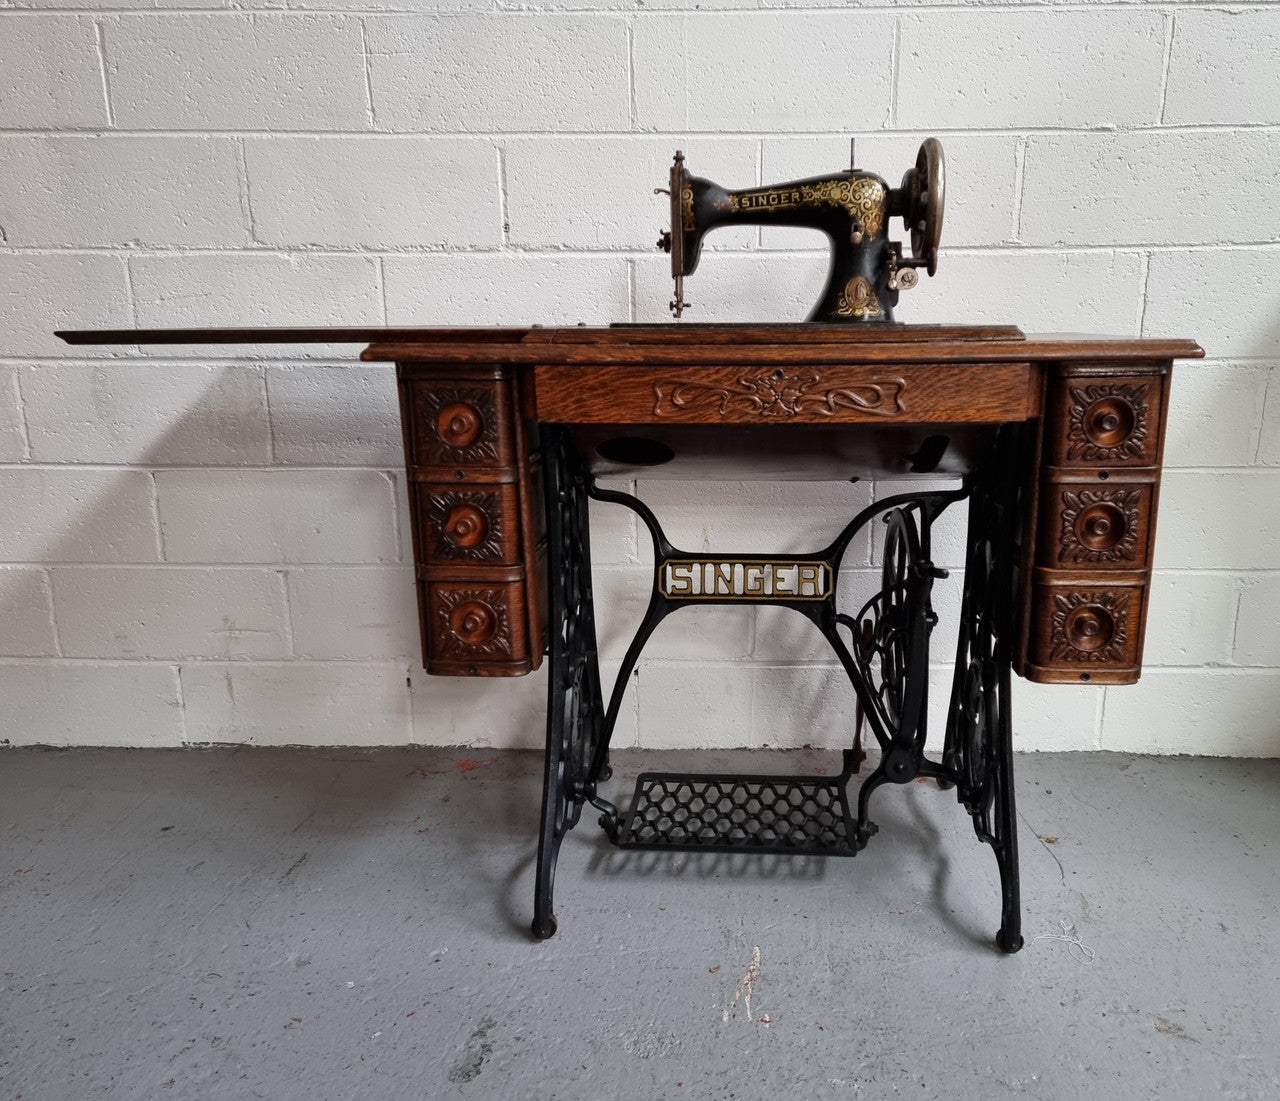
(1007, 943)
(545, 930)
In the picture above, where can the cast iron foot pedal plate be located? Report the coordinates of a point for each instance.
(775, 814)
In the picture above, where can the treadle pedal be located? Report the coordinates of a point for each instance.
(773, 814)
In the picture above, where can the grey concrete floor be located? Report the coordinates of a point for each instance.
(353, 924)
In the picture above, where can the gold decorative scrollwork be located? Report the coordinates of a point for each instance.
(863, 197)
(686, 206)
(780, 393)
(858, 299)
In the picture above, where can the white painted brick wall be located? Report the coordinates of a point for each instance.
(332, 192)
(211, 544)
(213, 515)
(170, 613)
(120, 191)
(139, 413)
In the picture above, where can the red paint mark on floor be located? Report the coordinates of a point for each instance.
(468, 765)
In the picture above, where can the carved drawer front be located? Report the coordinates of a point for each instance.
(1105, 421)
(472, 497)
(1096, 525)
(476, 628)
(468, 523)
(463, 425)
(948, 393)
(1084, 631)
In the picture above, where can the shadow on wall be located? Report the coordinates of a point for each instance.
(191, 569)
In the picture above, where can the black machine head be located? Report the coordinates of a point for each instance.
(852, 207)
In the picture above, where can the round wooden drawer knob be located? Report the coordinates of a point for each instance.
(1109, 421)
(473, 622)
(460, 424)
(466, 526)
(1101, 526)
(1090, 627)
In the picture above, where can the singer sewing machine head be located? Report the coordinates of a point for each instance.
(853, 208)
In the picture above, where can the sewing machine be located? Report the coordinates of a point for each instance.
(1055, 447)
(853, 208)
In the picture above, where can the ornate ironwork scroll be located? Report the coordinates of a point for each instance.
(575, 757)
(978, 750)
(884, 651)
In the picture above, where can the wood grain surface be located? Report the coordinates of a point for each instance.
(987, 393)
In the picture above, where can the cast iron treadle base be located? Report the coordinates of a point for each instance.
(774, 814)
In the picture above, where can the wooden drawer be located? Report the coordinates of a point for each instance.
(943, 393)
(1083, 630)
(468, 523)
(1096, 525)
(474, 504)
(461, 425)
(1104, 420)
(476, 629)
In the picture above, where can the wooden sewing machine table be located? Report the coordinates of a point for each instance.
(1055, 444)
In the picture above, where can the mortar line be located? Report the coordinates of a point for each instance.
(380, 281)
(368, 75)
(53, 612)
(1106, 130)
(1144, 281)
(130, 294)
(336, 252)
(282, 574)
(1171, 22)
(397, 521)
(1262, 419)
(24, 428)
(1019, 184)
(100, 37)
(155, 513)
(895, 74)
(504, 210)
(181, 694)
(631, 75)
(299, 14)
(246, 195)
(263, 376)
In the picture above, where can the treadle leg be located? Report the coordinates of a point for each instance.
(573, 682)
(979, 740)
(554, 813)
(1009, 939)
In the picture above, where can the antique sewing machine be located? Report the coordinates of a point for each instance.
(1054, 447)
(853, 208)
